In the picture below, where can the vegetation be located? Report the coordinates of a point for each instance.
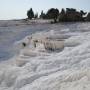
(71, 15)
(66, 15)
(30, 14)
(36, 16)
(43, 15)
(52, 14)
(88, 17)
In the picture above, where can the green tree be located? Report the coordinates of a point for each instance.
(88, 17)
(53, 14)
(43, 15)
(82, 13)
(30, 14)
(71, 15)
(36, 16)
(62, 16)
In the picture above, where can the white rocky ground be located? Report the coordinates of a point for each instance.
(37, 68)
(23, 22)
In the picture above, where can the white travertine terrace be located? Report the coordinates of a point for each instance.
(37, 68)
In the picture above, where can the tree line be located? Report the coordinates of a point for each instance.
(65, 15)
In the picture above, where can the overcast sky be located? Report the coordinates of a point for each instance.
(17, 9)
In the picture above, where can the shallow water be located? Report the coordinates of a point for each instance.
(9, 35)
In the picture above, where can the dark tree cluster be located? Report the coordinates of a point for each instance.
(66, 15)
(71, 15)
(52, 14)
(88, 17)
